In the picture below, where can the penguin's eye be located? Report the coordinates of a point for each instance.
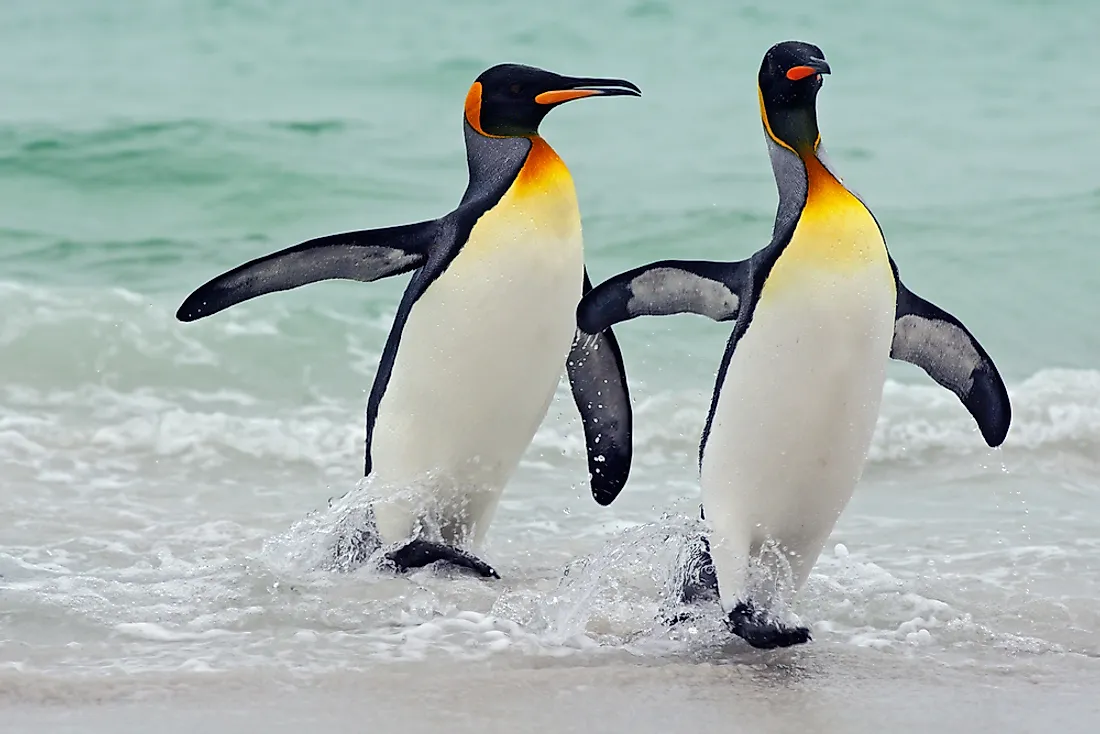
(516, 88)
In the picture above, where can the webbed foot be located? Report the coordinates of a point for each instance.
(418, 553)
(756, 629)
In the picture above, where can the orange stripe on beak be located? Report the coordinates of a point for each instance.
(564, 95)
(800, 72)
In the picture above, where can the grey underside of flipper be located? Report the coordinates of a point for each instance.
(711, 289)
(365, 256)
(927, 336)
(720, 291)
(595, 365)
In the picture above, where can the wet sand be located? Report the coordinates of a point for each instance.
(821, 693)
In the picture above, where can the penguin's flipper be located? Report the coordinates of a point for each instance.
(366, 255)
(710, 289)
(419, 552)
(938, 343)
(598, 381)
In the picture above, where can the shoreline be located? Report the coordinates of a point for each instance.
(831, 690)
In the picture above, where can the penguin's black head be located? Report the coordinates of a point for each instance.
(790, 77)
(510, 100)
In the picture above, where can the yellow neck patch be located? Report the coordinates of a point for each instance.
(835, 229)
(836, 237)
(543, 172)
(537, 215)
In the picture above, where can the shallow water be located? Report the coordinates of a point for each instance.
(165, 512)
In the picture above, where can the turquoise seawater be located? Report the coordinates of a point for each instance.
(153, 472)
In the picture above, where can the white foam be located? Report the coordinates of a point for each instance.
(610, 601)
(1055, 410)
(158, 633)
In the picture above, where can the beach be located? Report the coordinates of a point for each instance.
(172, 493)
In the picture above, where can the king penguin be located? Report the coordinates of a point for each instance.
(485, 325)
(817, 314)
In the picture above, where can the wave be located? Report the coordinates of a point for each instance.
(113, 371)
(232, 167)
(130, 152)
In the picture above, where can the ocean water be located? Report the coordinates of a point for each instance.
(165, 505)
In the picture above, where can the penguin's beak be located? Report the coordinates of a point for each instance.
(816, 66)
(579, 88)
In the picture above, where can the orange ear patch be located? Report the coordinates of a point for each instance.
(800, 72)
(473, 107)
(563, 95)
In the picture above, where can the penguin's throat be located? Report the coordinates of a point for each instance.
(794, 128)
(823, 188)
(544, 171)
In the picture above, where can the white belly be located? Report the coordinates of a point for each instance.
(794, 419)
(479, 360)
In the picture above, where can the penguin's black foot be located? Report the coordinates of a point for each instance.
(754, 628)
(700, 581)
(418, 553)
